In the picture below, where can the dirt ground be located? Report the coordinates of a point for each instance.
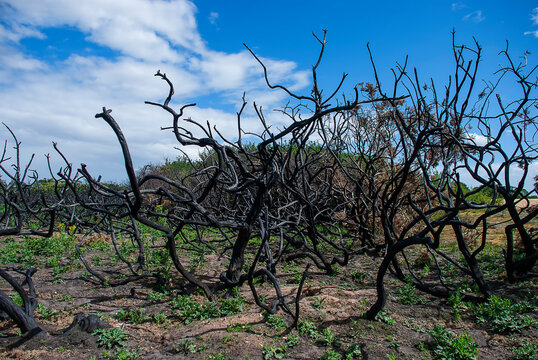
(333, 303)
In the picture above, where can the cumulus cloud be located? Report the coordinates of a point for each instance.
(477, 139)
(44, 101)
(475, 16)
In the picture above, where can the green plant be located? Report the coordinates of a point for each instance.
(330, 354)
(190, 310)
(136, 316)
(353, 352)
(393, 344)
(188, 346)
(239, 328)
(157, 296)
(384, 317)
(275, 322)
(232, 306)
(527, 350)
(17, 299)
(308, 328)
(274, 351)
(412, 324)
(458, 305)
(160, 318)
(217, 356)
(502, 316)
(292, 340)
(408, 296)
(122, 354)
(358, 276)
(45, 312)
(66, 298)
(110, 337)
(450, 346)
(326, 337)
(318, 302)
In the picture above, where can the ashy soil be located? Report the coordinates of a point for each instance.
(333, 304)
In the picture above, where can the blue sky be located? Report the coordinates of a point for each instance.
(61, 61)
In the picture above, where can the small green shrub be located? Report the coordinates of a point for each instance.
(110, 337)
(160, 318)
(292, 340)
(353, 352)
(318, 302)
(450, 346)
(240, 328)
(156, 296)
(407, 295)
(217, 356)
(502, 316)
(275, 322)
(122, 354)
(190, 310)
(188, 346)
(330, 354)
(136, 316)
(45, 312)
(384, 317)
(458, 305)
(231, 306)
(274, 351)
(326, 337)
(526, 350)
(358, 276)
(308, 328)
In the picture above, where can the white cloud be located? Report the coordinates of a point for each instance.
(477, 139)
(475, 16)
(458, 6)
(515, 174)
(213, 17)
(44, 101)
(534, 18)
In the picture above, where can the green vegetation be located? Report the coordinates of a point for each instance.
(188, 346)
(275, 322)
(527, 350)
(353, 352)
(27, 250)
(449, 346)
(136, 316)
(408, 295)
(279, 351)
(189, 309)
(217, 356)
(330, 354)
(502, 316)
(239, 328)
(292, 340)
(111, 337)
(384, 317)
(327, 337)
(308, 328)
(122, 354)
(45, 312)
